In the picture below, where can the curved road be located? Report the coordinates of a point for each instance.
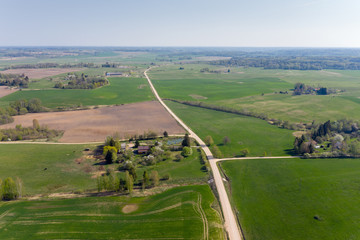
(230, 221)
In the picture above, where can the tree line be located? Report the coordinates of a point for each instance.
(14, 80)
(29, 133)
(20, 107)
(294, 63)
(82, 81)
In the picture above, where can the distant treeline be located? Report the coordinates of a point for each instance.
(53, 65)
(293, 63)
(14, 80)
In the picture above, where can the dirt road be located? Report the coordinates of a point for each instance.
(230, 221)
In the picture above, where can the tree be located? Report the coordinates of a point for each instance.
(137, 143)
(129, 182)
(145, 181)
(132, 172)
(9, 190)
(209, 141)
(111, 154)
(154, 178)
(166, 134)
(187, 151)
(186, 142)
(36, 124)
(245, 152)
(226, 140)
(216, 152)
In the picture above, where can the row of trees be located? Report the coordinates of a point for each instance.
(29, 133)
(10, 189)
(82, 81)
(53, 65)
(14, 80)
(20, 107)
(293, 63)
(114, 182)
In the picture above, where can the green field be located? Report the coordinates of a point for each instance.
(280, 198)
(242, 88)
(244, 132)
(179, 213)
(120, 91)
(62, 174)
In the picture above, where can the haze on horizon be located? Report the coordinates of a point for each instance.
(227, 23)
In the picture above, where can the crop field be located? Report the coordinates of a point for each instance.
(94, 125)
(244, 132)
(120, 91)
(179, 213)
(296, 198)
(242, 88)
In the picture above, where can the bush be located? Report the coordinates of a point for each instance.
(9, 190)
(186, 152)
(166, 177)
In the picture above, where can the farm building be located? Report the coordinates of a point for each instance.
(114, 74)
(123, 146)
(143, 149)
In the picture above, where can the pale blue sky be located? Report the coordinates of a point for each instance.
(244, 23)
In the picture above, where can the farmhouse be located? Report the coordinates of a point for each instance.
(123, 146)
(143, 149)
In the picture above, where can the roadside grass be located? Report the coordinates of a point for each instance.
(259, 137)
(120, 91)
(296, 198)
(179, 213)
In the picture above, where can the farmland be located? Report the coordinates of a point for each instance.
(182, 212)
(120, 91)
(94, 125)
(244, 132)
(254, 89)
(296, 198)
(46, 168)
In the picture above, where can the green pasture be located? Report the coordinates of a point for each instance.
(210, 87)
(120, 91)
(256, 135)
(296, 198)
(243, 88)
(46, 168)
(179, 213)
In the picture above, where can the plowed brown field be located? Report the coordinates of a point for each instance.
(96, 124)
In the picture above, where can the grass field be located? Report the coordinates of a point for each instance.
(120, 91)
(210, 87)
(179, 213)
(28, 161)
(242, 88)
(244, 132)
(68, 170)
(280, 198)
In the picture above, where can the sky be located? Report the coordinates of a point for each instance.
(227, 23)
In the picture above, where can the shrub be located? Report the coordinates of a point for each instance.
(186, 152)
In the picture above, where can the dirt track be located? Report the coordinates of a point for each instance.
(39, 73)
(96, 124)
(5, 90)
